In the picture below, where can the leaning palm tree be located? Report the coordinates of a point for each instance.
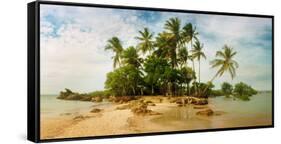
(146, 42)
(197, 53)
(115, 45)
(225, 63)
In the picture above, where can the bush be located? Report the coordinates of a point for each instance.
(104, 93)
(244, 91)
(226, 88)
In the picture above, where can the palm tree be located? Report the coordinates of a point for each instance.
(224, 62)
(115, 45)
(189, 34)
(183, 56)
(197, 53)
(174, 32)
(146, 42)
(130, 57)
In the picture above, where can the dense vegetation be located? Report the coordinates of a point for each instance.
(164, 64)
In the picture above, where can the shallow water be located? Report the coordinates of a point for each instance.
(51, 106)
(236, 113)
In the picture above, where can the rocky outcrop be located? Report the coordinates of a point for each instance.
(207, 112)
(97, 99)
(69, 95)
(96, 110)
(141, 109)
(183, 101)
(123, 99)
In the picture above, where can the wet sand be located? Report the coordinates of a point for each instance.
(113, 122)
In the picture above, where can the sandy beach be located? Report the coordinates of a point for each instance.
(112, 121)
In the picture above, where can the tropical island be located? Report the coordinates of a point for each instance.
(155, 82)
(165, 65)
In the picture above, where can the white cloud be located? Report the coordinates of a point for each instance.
(73, 56)
(76, 58)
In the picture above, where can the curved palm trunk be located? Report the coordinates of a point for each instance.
(204, 91)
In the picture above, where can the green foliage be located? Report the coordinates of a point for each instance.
(104, 93)
(164, 67)
(225, 62)
(115, 45)
(131, 57)
(155, 68)
(145, 39)
(244, 91)
(123, 81)
(226, 88)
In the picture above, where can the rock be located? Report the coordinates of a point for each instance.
(65, 114)
(199, 107)
(148, 102)
(80, 117)
(123, 107)
(207, 112)
(86, 98)
(141, 109)
(151, 104)
(69, 95)
(73, 96)
(96, 110)
(180, 105)
(97, 99)
(111, 98)
(218, 113)
(124, 99)
(201, 102)
(154, 113)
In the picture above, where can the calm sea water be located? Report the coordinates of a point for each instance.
(51, 106)
(235, 113)
(258, 104)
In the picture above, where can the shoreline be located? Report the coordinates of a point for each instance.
(111, 121)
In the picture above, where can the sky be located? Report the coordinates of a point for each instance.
(72, 41)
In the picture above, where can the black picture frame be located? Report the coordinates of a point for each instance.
(33, 118)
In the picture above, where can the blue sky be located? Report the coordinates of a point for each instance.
(73, 40)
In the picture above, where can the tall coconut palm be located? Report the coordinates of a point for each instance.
(146, 42)
(197, 53)
(173, 30)
(115, 45)
(173, 27)
(189, 34)
(224, 63)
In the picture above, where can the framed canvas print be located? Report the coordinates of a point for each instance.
(102, 71)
